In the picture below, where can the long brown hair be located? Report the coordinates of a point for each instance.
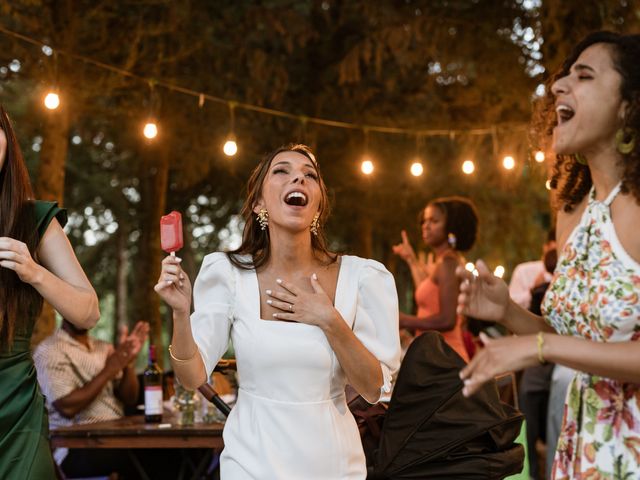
(255, 241)
(576, 177)
(18, 301)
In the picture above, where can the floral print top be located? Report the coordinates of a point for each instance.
(594, 295)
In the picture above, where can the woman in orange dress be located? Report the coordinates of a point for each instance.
(449, 227)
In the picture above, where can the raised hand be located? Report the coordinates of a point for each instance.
(498, 356)
(134, 340)
(485, 297)
(300, 306)
(404, 249)
(174, 286)
(14, 255)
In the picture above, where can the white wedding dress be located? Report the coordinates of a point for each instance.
(291, 421)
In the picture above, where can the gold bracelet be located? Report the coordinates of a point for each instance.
(180, 360)
(540, 342)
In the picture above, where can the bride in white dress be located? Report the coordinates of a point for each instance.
(304, 322)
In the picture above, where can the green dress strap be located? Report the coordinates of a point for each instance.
(47, 211)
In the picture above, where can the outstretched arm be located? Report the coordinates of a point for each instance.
(616, 360)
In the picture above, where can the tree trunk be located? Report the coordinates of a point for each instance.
(154, 176)
(365, 236)
(49, 185)
(122, 291)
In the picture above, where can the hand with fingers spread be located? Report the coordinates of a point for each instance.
(174, 286)
(300, 306)
(404, 249)
(485, 297)
(130, 344)
(498, 356)
(14, 255)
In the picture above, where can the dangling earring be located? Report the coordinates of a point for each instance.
(628, 134)
(263, 218)
(315, 224)
(452, 240)
(581, 159)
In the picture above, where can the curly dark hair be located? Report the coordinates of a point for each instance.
(461, 219)
(577, 176)
(256, 242)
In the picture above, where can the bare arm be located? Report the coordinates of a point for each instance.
(59, 278)
(616, 360)
(445, 319)
(419, 270)
(360, 366)
(175, 289)
(190, 370)
(129, 387)
(80, 398)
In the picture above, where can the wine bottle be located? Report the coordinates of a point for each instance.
(152, 389)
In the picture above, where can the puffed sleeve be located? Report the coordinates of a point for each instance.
(213, 300)
(376, 320)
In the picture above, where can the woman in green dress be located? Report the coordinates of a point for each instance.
(36, 263)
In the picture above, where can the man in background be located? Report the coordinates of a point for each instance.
(86, 380)
(529, 274)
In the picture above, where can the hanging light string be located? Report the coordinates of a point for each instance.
(201, 96)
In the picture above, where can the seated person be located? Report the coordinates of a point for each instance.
(87, 380)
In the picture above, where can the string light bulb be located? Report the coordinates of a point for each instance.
(51, 100)
(417, 169)
(499, 271)
(539, 156)
(469, 267)
(468, 167)
(150, 130)
(367, 167)
(230, 147)
(508, 162)
(547, 184)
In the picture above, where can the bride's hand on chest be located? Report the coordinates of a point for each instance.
(303, 301)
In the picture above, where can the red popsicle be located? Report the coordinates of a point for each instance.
(171, 232)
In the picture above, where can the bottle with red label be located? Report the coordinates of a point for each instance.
(152, 389)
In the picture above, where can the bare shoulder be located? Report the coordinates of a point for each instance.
(446, 266)
(625, 212)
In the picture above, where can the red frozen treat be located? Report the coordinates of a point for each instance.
(171, 232)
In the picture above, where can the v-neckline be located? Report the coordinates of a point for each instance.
(341, 259)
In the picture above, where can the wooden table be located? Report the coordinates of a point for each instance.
(133, 433)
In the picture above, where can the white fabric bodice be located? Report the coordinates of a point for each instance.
(290, 420)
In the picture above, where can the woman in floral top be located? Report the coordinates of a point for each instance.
(592, 309)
